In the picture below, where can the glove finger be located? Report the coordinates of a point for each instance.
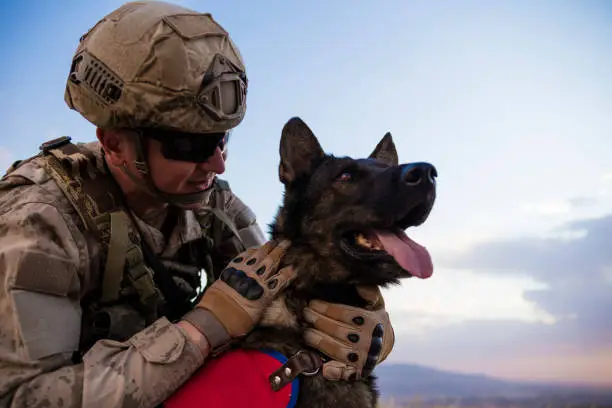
(388, 343)
(343, 313)
(281, 280)
(366, 348)
(372, 295)
(265, 249)
(277, 248)
(337, 330)
(331, 347)
(258, 254)
(334, 371)
(241, 257)
(267, 265)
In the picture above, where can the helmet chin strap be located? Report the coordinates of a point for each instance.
(145, 182)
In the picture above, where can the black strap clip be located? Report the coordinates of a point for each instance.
(55, 143)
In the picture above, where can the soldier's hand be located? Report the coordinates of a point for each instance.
(234, 303)
(355, 339)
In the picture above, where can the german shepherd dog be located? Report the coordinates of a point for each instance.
(345, 219)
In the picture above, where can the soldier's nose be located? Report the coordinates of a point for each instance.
(216, 162)
(414, 174)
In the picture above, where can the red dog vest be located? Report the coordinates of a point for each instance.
(237, 378)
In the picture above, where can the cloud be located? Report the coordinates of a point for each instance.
(521, 307)
(559, 207)
(541, 256)
(596, 202)
(454, 296)
(548, 208)
(538, 308)
(577, 273)
(578, 202)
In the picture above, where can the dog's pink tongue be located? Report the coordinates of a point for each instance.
(411, 256)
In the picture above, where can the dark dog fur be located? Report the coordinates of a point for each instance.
(326, 198)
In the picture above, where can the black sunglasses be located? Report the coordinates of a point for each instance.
(191, 147)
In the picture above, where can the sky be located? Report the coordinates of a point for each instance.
(510, 100)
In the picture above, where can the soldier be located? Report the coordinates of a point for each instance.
(103, 245)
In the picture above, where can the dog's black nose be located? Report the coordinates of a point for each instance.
(414, 174)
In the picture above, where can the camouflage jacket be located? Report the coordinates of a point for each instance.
(50, 270)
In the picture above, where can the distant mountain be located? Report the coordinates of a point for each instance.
(407, 381)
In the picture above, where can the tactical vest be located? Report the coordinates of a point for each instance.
(136, 288)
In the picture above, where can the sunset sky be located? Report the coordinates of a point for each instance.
(511, 101)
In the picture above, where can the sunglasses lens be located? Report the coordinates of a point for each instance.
(195, 148)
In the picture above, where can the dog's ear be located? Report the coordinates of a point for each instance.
(299, 151)
(385, 151)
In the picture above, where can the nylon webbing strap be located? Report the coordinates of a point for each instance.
(221, 216)
(115, 260)
(176, 302)
(72, 190)
(140, 277)
(225, 219)
(96, 198)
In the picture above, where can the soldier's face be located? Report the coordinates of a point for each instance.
(181, 177)
(168, 175)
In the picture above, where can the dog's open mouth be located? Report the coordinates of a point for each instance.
(391, 245)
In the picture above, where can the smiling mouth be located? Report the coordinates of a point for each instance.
(202, 184)
(391, 244)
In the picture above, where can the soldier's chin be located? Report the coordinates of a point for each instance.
(192, 200)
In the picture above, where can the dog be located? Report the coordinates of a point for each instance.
(345, 219)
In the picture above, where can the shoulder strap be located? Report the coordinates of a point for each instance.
(219, 217)
(224, 192)
(222, 185)
(85, 181)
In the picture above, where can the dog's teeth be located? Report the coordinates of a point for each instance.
(363, 241)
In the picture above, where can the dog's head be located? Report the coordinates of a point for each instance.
(352, 213)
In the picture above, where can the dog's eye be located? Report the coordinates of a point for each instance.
(345, 176)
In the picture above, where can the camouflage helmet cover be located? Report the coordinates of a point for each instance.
(152, 64)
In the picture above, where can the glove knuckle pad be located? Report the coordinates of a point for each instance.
(243, 284)
(254, 291)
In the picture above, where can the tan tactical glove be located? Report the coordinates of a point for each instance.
(355, 339)
(234, 303)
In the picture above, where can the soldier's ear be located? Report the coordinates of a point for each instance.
(385, 151)
(116, 146)
(300, 151)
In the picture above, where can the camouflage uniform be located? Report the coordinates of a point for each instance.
(83, 321)
(51, 266)
(86, 311)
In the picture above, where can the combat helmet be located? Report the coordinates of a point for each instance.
(156, 65)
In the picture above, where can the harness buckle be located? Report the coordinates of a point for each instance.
(306, 363)
(55, 143)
